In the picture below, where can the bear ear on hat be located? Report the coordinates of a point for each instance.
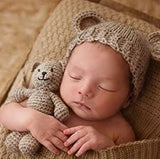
(154, 39)
(86, 19)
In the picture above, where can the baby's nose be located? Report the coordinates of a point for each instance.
(86, 91)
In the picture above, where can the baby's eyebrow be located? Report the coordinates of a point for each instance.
(76, 68)
(102, 78)
(106, 78)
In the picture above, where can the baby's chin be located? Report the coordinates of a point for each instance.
(89, 118)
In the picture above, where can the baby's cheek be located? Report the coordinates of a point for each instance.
(63, 91)
(66, 92)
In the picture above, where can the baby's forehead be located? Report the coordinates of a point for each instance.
(98, 55)
(98, 48)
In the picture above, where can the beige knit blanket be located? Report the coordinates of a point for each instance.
(20, 23)
(143, 115)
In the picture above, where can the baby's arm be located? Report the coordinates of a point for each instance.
(124, 133)
(18, 117)
(14, 116)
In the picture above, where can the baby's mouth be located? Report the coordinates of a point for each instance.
(82, 105)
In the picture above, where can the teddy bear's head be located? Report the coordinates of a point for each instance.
(47, 76)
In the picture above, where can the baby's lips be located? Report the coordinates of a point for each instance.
(82, 104)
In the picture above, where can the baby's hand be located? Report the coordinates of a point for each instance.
(84, 138)
(48, 131)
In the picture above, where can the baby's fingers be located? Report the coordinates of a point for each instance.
(74, 137)
(77, 145)
(85, 147)
(61, 136)
(72, 130)
(59, 144)
(50, 147)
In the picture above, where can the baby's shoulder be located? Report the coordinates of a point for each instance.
(123, 130)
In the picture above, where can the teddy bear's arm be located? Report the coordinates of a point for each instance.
(19, 94)
(61, 111)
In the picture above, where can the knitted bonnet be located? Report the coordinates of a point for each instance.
(135, 47)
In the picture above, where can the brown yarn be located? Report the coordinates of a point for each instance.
(46, 80)
(134, 47)
(144, 115)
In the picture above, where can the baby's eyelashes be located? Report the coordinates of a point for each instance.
(105, 88)
(74, 76)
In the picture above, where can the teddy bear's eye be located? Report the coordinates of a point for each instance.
(51, 69)
(38, 70)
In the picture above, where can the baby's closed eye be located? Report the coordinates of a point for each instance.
(107, 87)
(74, 76)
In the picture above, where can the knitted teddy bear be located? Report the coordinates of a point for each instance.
(46, 80)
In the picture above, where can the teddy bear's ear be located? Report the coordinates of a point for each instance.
(61, 63)
(154, 39)
(35, 66)
(86, 19)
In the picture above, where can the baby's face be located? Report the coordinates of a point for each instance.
(95, 84)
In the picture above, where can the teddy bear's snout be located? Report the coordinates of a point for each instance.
(44, 73)
(43, 77)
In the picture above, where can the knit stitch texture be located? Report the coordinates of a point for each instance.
(52, 43)
(46, 80)
(134, 47)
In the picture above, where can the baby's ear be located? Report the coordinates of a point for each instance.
(154, 39)
(86, 19)
(35, 66)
